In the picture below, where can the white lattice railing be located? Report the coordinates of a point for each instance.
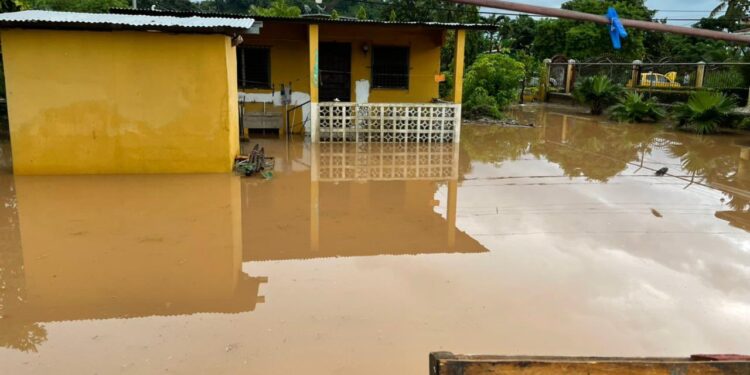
(389, 122)
(387, 161)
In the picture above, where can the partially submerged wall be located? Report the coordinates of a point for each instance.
(83, 102)
(289, 49)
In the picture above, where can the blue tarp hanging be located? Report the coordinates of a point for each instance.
(616, 30)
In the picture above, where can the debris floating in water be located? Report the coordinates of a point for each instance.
(504, 122)
(256, 162)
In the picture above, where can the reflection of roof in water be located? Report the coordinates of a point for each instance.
(354, 219)
(737, 219)
(101, 247)
(244, 299)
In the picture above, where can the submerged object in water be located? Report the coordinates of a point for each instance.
(256, 162)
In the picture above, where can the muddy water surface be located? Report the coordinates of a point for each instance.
(361, 259)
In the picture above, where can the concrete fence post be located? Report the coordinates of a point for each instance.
(544, 81)
(635, 74)
(700, 74)
(569, 76)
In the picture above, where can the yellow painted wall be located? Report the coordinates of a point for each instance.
(84, 102)
(290, 58)
(289, 63)
(424, 58)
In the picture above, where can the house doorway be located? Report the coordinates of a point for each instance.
(335, 67)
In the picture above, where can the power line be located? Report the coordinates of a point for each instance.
(508, 14)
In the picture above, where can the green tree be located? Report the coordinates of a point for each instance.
(585, 40)
(94, 6)
(495, 76)
(635, 108)
(392, 16)
(598, 92)
(8, 6)
(335, 15)
(279, 8)
(705, 112)
(520, 33)
(361, 13)
(736, 9)
(230, 6)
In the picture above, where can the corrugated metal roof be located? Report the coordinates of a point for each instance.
(310, 19)
(52, 19)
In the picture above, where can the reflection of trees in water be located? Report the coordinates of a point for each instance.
(14, 334)
(23, 336)
(595, 152)
(495, 144)
(718, 163)
(598, 152)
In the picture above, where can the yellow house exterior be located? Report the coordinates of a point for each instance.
(297, 63)
(113, 98)
(139, 91)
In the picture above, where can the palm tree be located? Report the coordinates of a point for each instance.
(735, 9)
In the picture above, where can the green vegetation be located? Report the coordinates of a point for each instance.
(705, 112)
(598, 92)
(492, 83)
(634, 108)
(361, 13)
(279, 8)
(584, 40)
(480, 104)
(95, 6)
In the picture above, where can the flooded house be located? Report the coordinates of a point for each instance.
(107, 93)
(348, 79)
(167, 92)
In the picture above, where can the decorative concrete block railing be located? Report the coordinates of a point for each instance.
(386, 161)
(389, 122)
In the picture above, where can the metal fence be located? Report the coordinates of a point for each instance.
(661, 76)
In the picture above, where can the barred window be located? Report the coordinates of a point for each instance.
(390, 67)
(253, 67)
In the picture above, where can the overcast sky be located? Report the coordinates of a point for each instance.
(667, 8)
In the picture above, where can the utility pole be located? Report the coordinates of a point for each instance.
(581, 16)
(135, 4)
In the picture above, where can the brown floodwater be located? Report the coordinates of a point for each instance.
(361, 259)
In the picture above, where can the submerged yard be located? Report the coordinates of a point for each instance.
(556, 239)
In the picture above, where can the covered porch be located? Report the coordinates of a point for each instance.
(353, 80)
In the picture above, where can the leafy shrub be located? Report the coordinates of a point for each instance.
(278, 8)
(481, 104)
(598, 92)
(634, 108)
(492, 76)
(705, 112)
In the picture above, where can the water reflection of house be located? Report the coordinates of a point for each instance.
(358, 200)
(101, 247)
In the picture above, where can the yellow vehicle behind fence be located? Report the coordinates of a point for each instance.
(657, 80)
